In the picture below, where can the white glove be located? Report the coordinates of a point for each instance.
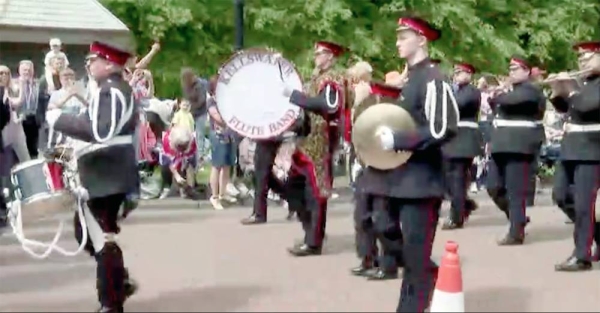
(286, 90)
(346, 146)
(386, 137)
(180, 180)
(52, 116)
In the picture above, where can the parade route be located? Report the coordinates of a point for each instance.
(190, 259)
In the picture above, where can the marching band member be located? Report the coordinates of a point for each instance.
(516, 139)
(309, 184)
(371, 218)
(577, 175)
(107, 168)
(462, 149)
(4, 120)
(416, 189)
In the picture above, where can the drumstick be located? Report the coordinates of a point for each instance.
(278, 58)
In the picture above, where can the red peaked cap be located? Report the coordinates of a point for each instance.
(385, 90)
(465, 67)
(520, 61)
(592, 46)
(335, 48)
(420, 26)
(109, 53)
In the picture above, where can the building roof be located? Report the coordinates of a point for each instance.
(62, 14)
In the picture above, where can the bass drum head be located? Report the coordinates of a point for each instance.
(249, 93)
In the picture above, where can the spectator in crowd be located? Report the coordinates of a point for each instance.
(195, 91)
(13, 133)
(136, 64)
(183, 117)
(177, 161)
(70, 97)
(55, 51)
(554, 128)
(50, 82)
(222, 155)
(486, 84)
(28, 107)
(142, 85)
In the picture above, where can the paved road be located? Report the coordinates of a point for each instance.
(196, 260)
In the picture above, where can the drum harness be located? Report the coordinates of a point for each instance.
(15, 216)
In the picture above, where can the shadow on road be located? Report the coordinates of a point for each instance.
(498, 299)
(549, 233)
(39, 281)
(207, 299)
(338, 244)
(487, 221)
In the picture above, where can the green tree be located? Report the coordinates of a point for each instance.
(200, 33)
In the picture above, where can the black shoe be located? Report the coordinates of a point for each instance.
(361, 270)
(450, 225)
(573, 264)
(509, 240)
(253, 220)
(304, 250)
(380, 274)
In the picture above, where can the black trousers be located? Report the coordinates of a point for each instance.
(3, 205)
(509, 177)
(458, 180)
(264, 179)
(576, 185)
(375, 222)
(419, 218)
(304, 197)
(110, 269)
(32, 132)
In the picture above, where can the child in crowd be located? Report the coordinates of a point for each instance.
(55, 51)
(183, 117)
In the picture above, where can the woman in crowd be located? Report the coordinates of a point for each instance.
(485, 84)
(14, 136)
(222, 153)
(69, 98)
(178, 160)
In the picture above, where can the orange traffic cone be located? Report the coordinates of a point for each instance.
(448, 295)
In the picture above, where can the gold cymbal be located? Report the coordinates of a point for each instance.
(368, 146)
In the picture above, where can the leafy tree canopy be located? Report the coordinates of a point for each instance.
(200, 33)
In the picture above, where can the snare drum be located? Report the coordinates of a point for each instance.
(40, 187)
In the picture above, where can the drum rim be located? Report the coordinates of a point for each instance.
(27, 164)
(260, 50)
(43, 196)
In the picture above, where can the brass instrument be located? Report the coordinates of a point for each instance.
(364, 135)
(574, 75)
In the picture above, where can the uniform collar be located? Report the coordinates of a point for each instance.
(117, 76)
(421, 64)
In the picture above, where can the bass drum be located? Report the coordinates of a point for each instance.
(249, 93)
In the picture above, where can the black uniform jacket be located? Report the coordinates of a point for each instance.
(4, 115)
(421, 176)
(518, 126)
(109, 164)
(581, 140)
(468, 142)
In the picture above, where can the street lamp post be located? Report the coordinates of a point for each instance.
(239, 24)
